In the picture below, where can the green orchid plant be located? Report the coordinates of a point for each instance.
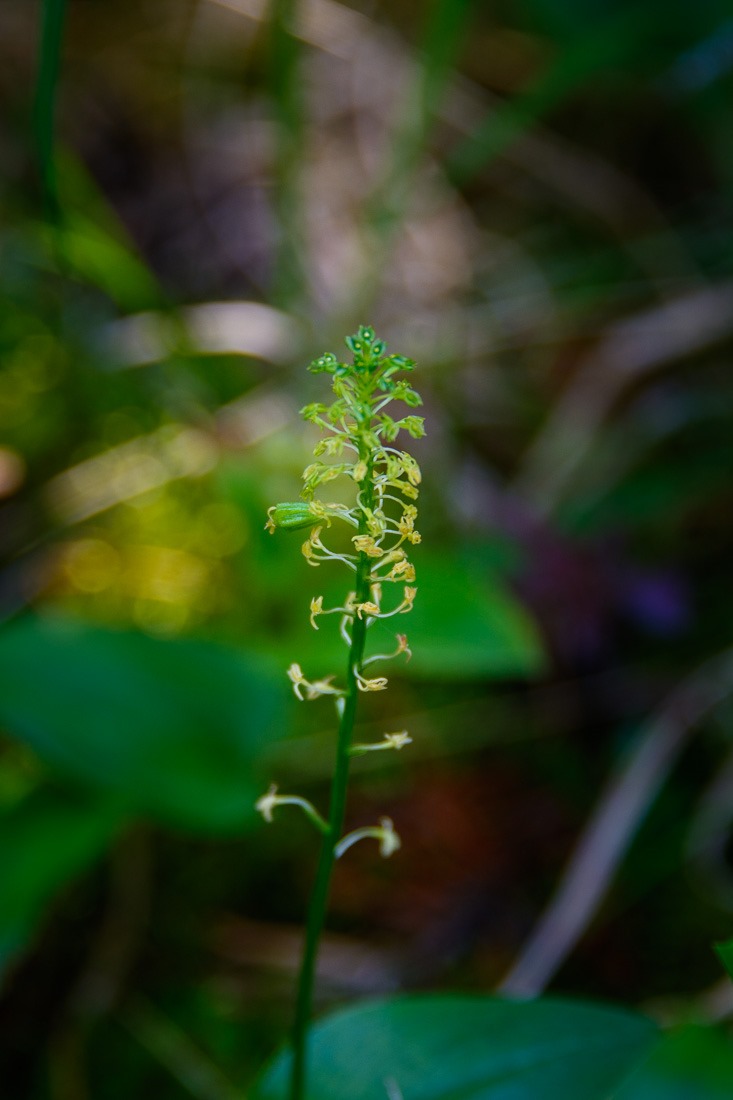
(359, 434)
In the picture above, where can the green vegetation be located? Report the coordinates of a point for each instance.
(533, 201)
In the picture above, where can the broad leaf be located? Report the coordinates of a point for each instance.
(170, 727)
(466, 623)
(468, 1048)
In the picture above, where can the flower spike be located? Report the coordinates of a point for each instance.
(360, 450)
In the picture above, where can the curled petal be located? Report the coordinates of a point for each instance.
(379, 683)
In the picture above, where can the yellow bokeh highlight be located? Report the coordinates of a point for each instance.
(92, 565)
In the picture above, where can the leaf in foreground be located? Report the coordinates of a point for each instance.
(468, 1048)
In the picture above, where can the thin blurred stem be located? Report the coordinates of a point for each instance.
(613, 824)
(53, 14)
(444, 31)
(630, 349)
(443, 34)
(117, 942)
(111, 957)
(284, 62)
(339, 784)
(175, 1050)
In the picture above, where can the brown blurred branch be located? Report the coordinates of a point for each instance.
(619, 813)
(630, 350)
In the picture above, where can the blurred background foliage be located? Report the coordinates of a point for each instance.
(531, 199)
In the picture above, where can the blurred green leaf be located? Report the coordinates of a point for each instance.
(171, 727)
(467, 624)
(96, 256)
(695, 1063)
(445, 27)
(93, 243)
(452, 1048)
(44, 841)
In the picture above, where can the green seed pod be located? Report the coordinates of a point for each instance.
(291, 516)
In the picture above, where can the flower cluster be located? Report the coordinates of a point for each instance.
(358, 444)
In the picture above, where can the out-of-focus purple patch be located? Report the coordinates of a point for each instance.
(658, 601)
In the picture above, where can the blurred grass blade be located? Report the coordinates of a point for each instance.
(444, 32)
(53, 14)
(284, 59)
(285, 88)
(724, 952)
(617, 40)
(173, 1049)
(106, 262)
(96, 245)
(386, 208)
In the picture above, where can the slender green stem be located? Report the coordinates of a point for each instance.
(53, 14)
(321, 886)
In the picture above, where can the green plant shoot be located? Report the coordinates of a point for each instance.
(358, 433)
